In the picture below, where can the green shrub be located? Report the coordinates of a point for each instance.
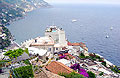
(100, 60)
(1, 61)
(115, 69)
(70, 56)
(94, 59)
(101, 73)
(15, 53)
(82, 55)
(71, 75)
(37, 60)
(27, 62)
(57, 58)
(23, 72)
(98, 57)
(87, 57)
(91, 74)
(104, 63)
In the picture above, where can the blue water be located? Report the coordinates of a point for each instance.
(92, 26)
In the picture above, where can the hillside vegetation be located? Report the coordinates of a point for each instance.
(12, 10)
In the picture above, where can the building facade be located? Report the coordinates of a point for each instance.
(58, 34)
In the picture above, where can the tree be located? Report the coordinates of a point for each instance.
(37, 60)
(91, 74)
(104, 63)
(101, 73)
(23, 72)
(82, 55)
(15, 53)
(98, 57)
(115, 69)
(27, 62)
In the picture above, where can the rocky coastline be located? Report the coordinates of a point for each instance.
(13, 10)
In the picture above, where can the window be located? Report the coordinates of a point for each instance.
(56, 48)
(49, 49)
(35, 41)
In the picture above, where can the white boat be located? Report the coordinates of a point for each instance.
(107, 36)
(111, 28)
(74, 20)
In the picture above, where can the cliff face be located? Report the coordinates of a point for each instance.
(26, 5)
(5, 37)
(11, 10)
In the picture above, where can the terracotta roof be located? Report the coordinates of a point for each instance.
(57, 67)
(73, 44)
(76, 44)
(69, 43)
(82, 44)
(39, 74)
(69, 55)
(60, 55)
(52, 75)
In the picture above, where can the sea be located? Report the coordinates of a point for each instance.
(97, 25)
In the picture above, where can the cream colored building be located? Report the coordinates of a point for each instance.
(46, 43)
(58, 34)
(53, 41)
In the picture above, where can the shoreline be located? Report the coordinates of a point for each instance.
(108, 62)
(17, 19)
(24, 14)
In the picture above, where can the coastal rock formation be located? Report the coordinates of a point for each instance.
(5, 37)
(12, 10)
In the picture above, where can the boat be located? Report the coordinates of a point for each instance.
(74, 20)
(107, 36)
(111, 28)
